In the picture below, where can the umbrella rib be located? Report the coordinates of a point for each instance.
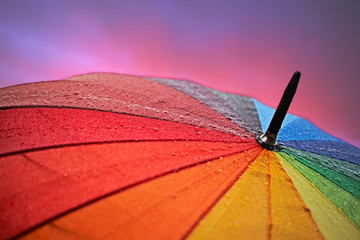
(37, 164)
(269, 195)
(128, 187)
(105, 142)
(230, 131)
(220, 195)
(268, 139)
(227, 101)
(198, 96)
(218, 198)
(349, 156)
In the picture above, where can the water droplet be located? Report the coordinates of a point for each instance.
(155, 129)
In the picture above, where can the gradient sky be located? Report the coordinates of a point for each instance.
(245, 47)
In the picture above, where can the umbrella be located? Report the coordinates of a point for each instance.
(112, 156)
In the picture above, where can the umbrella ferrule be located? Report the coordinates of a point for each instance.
(268, 140)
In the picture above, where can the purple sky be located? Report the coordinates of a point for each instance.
(245, 47)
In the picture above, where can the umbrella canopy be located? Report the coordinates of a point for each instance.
(110, 156)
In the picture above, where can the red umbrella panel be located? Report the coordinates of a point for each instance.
(118, 156)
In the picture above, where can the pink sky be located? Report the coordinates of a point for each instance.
(245, 47)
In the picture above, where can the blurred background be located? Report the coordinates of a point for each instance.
(245, 47)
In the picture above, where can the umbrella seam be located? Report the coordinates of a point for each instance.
(269, 194)
(120, 190)
(248, 127)
(219, 197)
(231, 131)
(106, 142)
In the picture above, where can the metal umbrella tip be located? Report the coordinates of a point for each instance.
(268, 139)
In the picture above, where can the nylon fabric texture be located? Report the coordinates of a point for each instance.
(113, 156)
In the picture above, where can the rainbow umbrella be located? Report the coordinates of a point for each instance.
(107, 156)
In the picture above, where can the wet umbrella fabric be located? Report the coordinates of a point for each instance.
(110, 156)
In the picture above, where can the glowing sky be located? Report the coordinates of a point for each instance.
(245, 47)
